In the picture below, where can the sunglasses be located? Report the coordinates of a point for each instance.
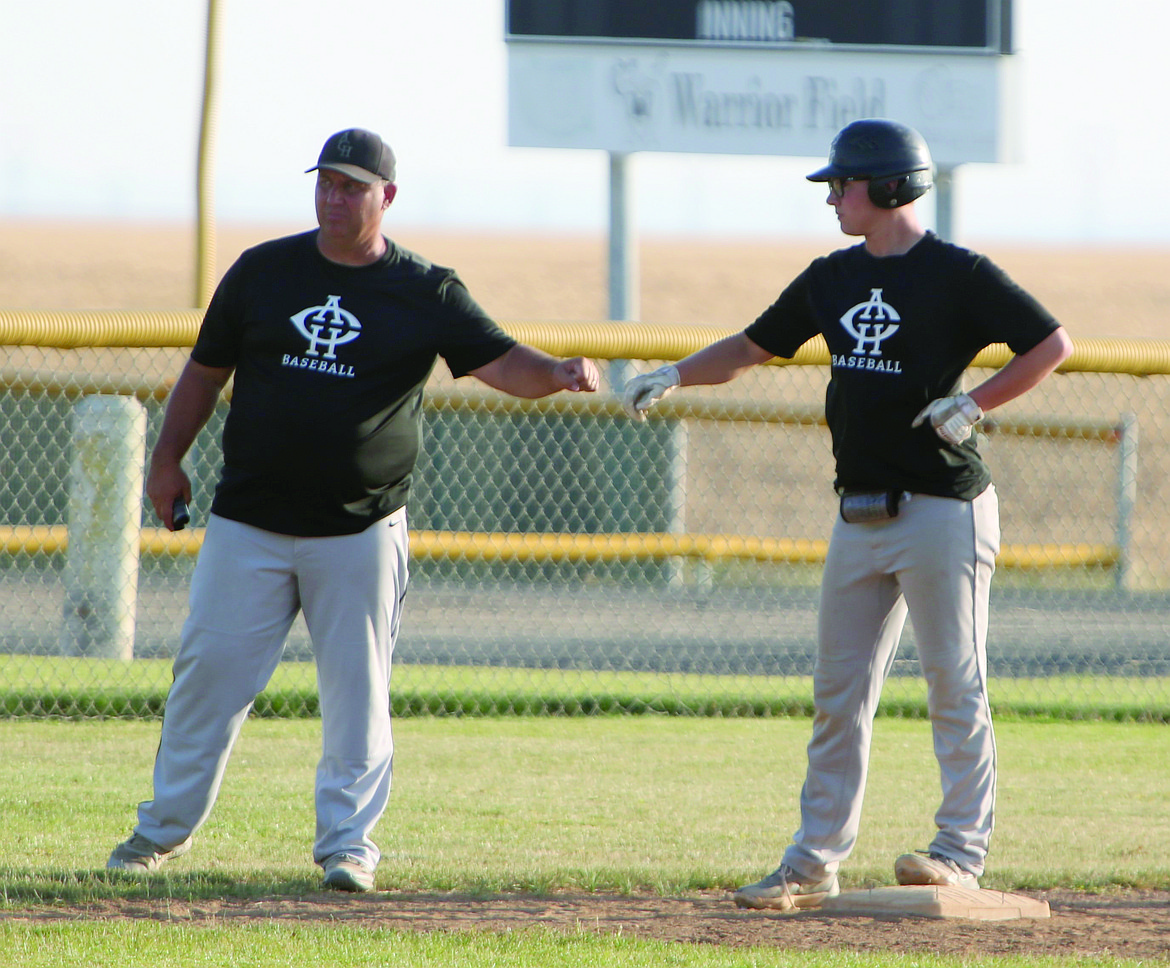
(837, 185)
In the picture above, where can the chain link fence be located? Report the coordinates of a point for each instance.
(567, 559)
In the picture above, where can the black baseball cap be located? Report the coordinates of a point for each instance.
(359, 154)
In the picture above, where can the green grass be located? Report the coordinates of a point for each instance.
(618, 804)
(487, 805)
(79, 688)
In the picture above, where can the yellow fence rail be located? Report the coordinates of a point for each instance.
(602, 340)
(605, 340)
(528, 547)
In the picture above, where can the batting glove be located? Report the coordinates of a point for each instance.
(951, 417)
(645, 390)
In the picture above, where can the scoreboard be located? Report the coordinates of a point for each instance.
(974, 25)
(765, 77)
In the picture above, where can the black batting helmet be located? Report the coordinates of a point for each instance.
(893, 156)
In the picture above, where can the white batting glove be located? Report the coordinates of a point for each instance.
(646, 389)
(951, 417)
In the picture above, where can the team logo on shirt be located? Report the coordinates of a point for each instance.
(870, 323)
(325, 327)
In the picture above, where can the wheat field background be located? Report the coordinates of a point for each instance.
(1118, 291)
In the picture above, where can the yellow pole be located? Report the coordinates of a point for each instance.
(205, 173)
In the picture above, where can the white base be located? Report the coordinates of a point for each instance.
(936, 902)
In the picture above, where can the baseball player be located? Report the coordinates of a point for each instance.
(904, 313)
(331, 335)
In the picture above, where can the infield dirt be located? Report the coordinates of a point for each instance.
(1132, 925)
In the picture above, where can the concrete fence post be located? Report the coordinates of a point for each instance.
(1127, 469)
(105, 516)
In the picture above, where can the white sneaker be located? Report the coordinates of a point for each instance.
(344, 872)
(784, 890)
(931, 867)
(141, 855)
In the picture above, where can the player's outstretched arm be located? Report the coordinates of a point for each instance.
(524, 371)
(720, 362)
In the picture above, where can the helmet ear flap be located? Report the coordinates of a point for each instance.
(895, 190)
(883, 192)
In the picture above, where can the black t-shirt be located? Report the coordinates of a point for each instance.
(901, 330)
(330, 362)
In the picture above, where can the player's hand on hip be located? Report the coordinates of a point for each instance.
(578, 373)
(646, 389)
(951, 417)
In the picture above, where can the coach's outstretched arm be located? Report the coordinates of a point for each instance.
(720, 362)
(524, 371)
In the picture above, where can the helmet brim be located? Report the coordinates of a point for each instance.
(824, 174)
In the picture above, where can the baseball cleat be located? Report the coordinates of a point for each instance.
(344, 872)
(785, 890)
(141, 855)
(931, 867)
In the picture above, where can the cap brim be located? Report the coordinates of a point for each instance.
(350, 171)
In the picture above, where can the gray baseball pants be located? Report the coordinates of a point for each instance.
(934, 562)
(247, 589)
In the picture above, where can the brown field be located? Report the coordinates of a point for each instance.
(1095, 292)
